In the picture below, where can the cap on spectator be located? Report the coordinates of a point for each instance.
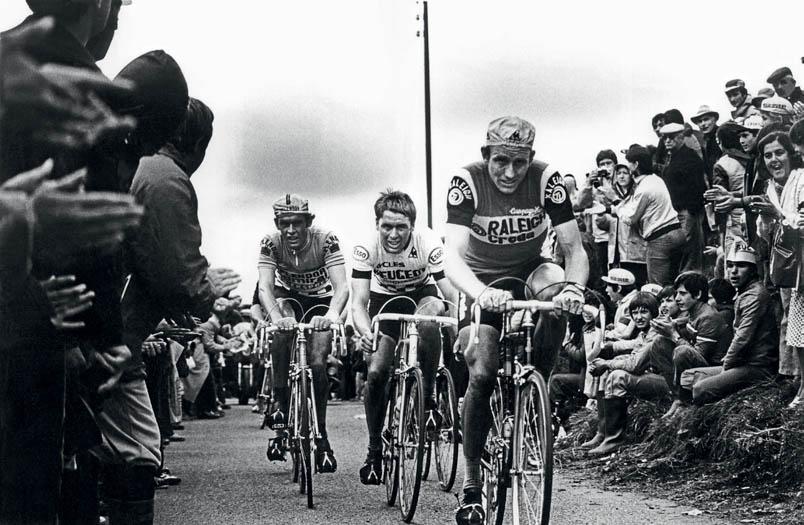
(291, 204)
(50, 7)
(702, 112)
(606, 154)
(731, 85)
(777, 105)
(653, 288)
(779, 74)
(741, 252)
(752, 123)
(619, 276)
(510, 132)
(761, 95)
(671, 129)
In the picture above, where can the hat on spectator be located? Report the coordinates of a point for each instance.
(653, 288)
(761, 95)
(291, 204)
(702, 112)
(606, 154)
(619, 276)
(752, 123)
(777, 105)
(51, 7)
(672, 128)
(510, 132)
(779, 74)
(741, 252)
(731, 85)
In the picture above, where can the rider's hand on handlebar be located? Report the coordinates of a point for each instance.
(367, 342)
(286, 323)
(321, 322)
(570, 300)
(493, 299)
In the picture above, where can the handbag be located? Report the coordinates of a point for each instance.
(785, 257)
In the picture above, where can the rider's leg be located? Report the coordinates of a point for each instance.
(375, 402)
(320, 343)
(430, 344)
(483, 361)
(546, 281)
(280, 359)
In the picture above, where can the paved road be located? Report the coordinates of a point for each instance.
(228, 480)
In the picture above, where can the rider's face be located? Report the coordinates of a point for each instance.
(507, 166)
(294, 229)
(395, 229)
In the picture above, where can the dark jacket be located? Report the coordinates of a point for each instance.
(711, 153)
(756, 333)
(796, 96)
(712, 334)
(684, 177)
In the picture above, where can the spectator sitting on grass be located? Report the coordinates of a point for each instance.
(621, 288)
(753, 353)
(722, 294)
(629, 376)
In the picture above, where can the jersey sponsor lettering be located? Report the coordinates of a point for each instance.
(459, 191)
(315, 282)
(360, 253)
(436, 256)
(509, 229)
(555, 190)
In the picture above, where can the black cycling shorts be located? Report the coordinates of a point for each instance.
(399, 306)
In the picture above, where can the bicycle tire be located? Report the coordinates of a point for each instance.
(533, 446)
(390, 459)
(446, 446)
(305, 439)
(411, 446)
(292, 437)
(493, 462)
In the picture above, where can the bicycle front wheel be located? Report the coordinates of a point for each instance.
(292, 430)
(305, 438)
(533, 446)
(494, 461)
(446, 445)
(411, 444)
(390, 458)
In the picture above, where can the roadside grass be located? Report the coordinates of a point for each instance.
(742, 456)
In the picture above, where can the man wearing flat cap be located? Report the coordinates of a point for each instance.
(685, 179)
(497, 219)
(740, 100)
(785, 86)
(706, 120)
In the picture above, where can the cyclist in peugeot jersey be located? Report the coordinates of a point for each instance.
(497, 220)
(303, 265)
(403, 264)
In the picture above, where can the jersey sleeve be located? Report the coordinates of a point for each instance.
(333, 256)
(435, 253)
(362, 260)
(556, 201)
(461, 201)
(269, 253)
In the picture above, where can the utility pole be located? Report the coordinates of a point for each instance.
(428, 150)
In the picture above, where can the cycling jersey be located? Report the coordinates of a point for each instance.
(507, 230)
(306, 270)
(420, 263)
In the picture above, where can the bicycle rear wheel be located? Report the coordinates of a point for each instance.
(533, 446)
(305, 438)
(411, 446)
(494, 461)
(446, 446)
(390, 458)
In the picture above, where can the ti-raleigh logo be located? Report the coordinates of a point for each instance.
(360, 253)
(556, 191)
(436, 256)
(458, 191)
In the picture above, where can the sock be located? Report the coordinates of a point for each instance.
(375, 443)
(472, 480)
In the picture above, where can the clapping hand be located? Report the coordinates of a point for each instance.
(67, 299)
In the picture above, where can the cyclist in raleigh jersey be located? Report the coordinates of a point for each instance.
(301, 263)
(403, 264)
(497, 219)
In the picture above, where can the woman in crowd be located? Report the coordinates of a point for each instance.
(781, 206)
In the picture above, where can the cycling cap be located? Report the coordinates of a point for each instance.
(291, 204)
(619, 276)
(510, 132)
(741, 252)
(777, 105)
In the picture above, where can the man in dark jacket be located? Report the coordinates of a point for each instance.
(685, 180)
(752, 355)
(785, 86)
(698, 338)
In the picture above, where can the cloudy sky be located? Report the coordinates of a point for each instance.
(324, 98)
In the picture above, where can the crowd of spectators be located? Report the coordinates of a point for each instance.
(696, 254)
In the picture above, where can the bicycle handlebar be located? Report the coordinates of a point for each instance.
(540, 306)
(407, 318)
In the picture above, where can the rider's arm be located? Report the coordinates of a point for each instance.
(458, 272)
(267, 297)
(340, 292)
(450, 295)
(576, 263)
(361, 289)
